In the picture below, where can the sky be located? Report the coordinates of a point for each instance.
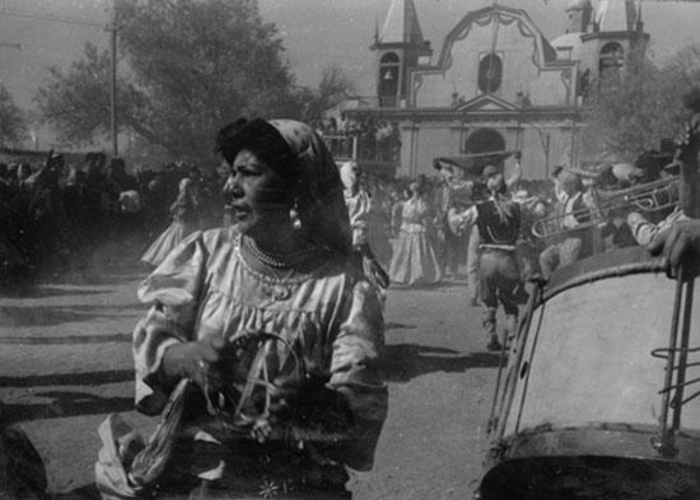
(316, 33)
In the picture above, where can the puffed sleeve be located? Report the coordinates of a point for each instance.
(356, 372)
(172, 290)
(359, 218)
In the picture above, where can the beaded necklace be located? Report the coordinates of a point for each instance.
(281, 261)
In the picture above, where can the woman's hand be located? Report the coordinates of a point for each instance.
(193, 359)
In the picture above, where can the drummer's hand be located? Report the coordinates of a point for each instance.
(193, 360)
(679, 244)
(685, 145)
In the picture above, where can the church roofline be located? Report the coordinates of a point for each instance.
(445, 114)
(614, 35)
(473, 104)
(544, 55)
(399, 45)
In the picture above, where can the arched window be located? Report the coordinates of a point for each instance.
(389, 66)
(612, 60)
(490, 73)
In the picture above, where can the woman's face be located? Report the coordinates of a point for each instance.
(260, 198)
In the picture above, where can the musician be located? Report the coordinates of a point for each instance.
(532, 208)
(675, 237)
(647, 233)
(454, 191)
(498, 223)
(577, 206)
(679, 240)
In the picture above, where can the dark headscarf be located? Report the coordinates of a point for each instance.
(298, 155)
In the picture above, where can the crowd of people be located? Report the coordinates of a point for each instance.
(366, 138)
(262, 346)
(56, 214)
(411, 232)
(503, 231)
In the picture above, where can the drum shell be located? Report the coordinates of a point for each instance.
(586, 364)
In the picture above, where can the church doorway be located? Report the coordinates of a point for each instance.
(484, 140)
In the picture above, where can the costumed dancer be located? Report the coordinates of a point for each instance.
(498, 224)
(414, 261)
(359, 205)
(185, 221)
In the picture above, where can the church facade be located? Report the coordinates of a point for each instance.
(497, 83)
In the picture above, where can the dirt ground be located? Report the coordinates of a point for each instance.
(65, 364)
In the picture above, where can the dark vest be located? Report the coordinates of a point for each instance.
(492, 230)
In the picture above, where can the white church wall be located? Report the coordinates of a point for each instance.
(523, 69)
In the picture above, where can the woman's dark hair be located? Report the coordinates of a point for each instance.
(262, 139)
(227, 132)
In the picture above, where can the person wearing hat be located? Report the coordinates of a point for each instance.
(479, 192)
(577, 206)
(497, 223)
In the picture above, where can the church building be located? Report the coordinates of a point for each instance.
(497, 83)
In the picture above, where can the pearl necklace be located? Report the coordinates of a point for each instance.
(281, 261)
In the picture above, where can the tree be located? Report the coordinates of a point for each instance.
(629, 115)
(188, 67)
(77, 102)
(333, 88)
(13, 125)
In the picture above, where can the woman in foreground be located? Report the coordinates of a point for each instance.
(278, 331)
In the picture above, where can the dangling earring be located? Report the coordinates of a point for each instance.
(294, 216)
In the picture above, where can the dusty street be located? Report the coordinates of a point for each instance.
(65, 363)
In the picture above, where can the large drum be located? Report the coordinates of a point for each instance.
(601, 394)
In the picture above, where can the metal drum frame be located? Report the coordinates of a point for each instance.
(526, 463)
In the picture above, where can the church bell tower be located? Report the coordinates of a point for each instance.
(617, 32)
(398, 47)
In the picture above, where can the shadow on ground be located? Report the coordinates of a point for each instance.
(408, 361)
(65, 404)
(17, 316)
(44, 291)
(62, 379)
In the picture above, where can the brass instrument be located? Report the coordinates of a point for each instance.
(649, 198)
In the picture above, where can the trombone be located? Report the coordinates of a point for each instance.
(649, 198)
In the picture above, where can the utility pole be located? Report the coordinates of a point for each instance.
(112, 28)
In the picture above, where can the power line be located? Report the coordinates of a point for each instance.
(53, 17)
(9, 45)
(111, 27)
